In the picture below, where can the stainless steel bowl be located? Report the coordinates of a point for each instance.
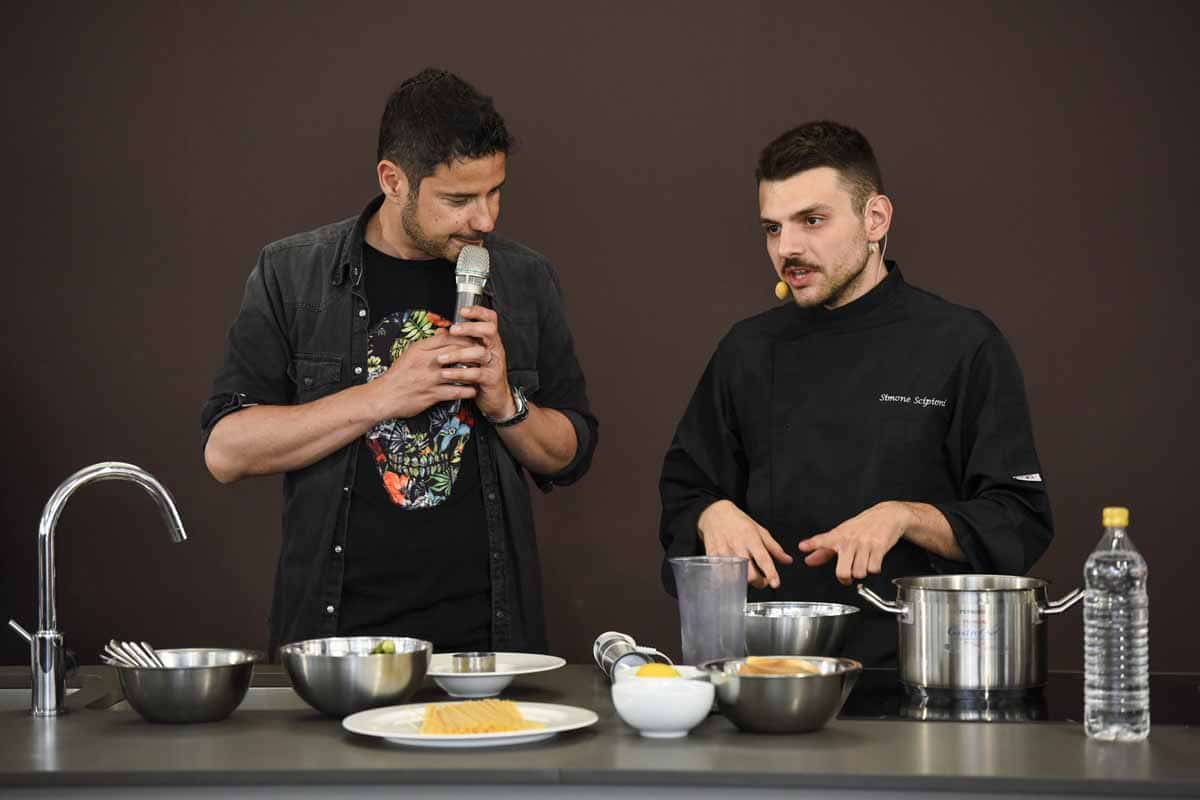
(797, 629)
(339, 676)
(782, 703)
(195, 685)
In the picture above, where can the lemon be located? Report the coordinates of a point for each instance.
(656, 670)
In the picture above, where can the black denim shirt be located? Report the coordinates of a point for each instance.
(301, 334)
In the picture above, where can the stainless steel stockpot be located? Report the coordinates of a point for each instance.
(972, 633)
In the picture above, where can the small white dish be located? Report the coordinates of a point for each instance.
(402, 725)
(487, 684)
(662, 708)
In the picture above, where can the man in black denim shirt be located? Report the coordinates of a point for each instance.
(296, 371)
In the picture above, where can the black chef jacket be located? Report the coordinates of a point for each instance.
(806, 417)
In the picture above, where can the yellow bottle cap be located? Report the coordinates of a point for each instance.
(1116, 517)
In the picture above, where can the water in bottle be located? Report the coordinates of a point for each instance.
(1116, 622)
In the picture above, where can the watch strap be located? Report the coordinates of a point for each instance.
(519, 415)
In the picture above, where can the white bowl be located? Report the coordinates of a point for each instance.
(488, 684)
(662, 708)
(473, 685)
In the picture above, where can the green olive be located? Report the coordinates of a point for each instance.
(386, 647)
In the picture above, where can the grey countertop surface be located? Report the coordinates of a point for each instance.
(297, 746)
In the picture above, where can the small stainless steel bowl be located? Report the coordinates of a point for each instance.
(473, 662)
(797, 629)
(195, 685)
(782, 703)
(338, 675)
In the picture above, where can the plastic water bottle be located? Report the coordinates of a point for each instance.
(1116, 636)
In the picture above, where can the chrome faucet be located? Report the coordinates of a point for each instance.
(47, 643)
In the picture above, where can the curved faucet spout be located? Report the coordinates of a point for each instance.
(104, 471)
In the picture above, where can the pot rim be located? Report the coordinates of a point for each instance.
(927, 583)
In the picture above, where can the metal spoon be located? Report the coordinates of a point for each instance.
(143, 659)
(130, 654)
(149, 652)
(118, 657)
(144, 651)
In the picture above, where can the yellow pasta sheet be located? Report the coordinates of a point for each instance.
(475, 716)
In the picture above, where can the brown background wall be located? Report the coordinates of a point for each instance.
(1040, 156)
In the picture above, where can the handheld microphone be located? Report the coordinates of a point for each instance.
(470, 276)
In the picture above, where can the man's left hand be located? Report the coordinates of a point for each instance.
(861, 542)
(487, 366)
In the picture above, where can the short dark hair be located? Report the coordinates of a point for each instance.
(435, 117)
(824, 144)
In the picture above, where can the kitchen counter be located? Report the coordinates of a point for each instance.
(272, 743)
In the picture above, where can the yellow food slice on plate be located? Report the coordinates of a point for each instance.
(475, 716)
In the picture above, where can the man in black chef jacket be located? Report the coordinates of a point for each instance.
(872, 427)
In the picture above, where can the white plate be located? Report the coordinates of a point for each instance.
(488, 684)
(400, 724)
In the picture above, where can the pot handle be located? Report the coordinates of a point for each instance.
(1059, 606)
(899, 609)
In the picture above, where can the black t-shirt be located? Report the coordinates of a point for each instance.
(416, 546)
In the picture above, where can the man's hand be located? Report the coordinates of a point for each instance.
(726, 530)
(490, 373)
(861, 542)
(417, 380)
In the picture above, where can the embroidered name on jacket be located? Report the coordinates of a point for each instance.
(924, 402)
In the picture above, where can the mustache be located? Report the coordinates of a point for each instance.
(797, 262)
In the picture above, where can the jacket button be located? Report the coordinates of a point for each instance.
(329, 609)
(337, 548)
(362, 312)
(491, 496)
(358, 370)
(308, 381)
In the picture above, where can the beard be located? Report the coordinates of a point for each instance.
(843, 279)
(434, 248)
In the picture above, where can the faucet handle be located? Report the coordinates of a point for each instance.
(16, 626)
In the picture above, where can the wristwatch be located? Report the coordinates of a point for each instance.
(519, 415)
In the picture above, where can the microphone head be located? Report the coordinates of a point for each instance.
(473, 264)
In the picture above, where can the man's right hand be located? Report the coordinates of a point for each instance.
(414, 382)
(267, 439)
(726, 530)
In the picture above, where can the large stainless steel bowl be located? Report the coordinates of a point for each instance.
(196, 685)
(338, 675)
(797, 629)
(782, 703)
